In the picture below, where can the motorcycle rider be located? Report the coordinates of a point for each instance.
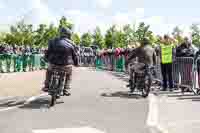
(146, 55)
(61, 54)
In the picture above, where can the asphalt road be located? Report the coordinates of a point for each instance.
(99, 104)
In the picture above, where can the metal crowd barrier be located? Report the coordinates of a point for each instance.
(184, 67)
(197, 75)
(186, 70)
(18, 63)
(86, 61)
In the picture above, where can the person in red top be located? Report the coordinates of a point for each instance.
(117, 51)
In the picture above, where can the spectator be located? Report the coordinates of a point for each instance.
(185, 49)
(166, 49)
(184, 66)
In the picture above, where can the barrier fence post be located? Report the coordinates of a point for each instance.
(43, 64)
(8, 62)
(198, 72)
(98, 62)
(19, 63)
(38, 61)
(25, 62)
(32, 62)
(15, 62)
(12, 67)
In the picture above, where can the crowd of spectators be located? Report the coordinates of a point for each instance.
(15, 49)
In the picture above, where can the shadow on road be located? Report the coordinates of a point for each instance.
(168, 93)
(120, 75)
(182, 96)
(38, 104)
(193, 98)
(122, 94)
(11, 103)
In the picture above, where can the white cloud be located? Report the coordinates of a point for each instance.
(121, 18)
(186, 30)
(2, 5)
(139, 12)
(155, 20)
(158, 24)
(73, 12)
(104, 3)
(38, 13)
(84, 21)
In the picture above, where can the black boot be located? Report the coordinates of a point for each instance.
(129, 85)
(66, 93)
(47, 80)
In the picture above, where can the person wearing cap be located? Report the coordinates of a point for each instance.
(61, 54)
(146, 56)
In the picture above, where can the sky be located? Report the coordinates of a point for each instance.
(163, 16)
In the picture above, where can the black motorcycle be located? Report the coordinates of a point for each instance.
(142, 78)
(56, 85)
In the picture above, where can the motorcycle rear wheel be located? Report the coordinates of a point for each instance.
(146, 89)
(53, 100)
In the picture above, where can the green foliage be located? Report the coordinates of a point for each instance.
(110, 37)
(142, 31)
(177, 34)
(25, 34)
(120, 39)
(64, 23)
(86, 39)
(76, 39)
(98, 38)
(129, 35)
(195, 34)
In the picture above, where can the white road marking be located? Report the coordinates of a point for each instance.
(153, 114)
(69, 130)
(152, 119)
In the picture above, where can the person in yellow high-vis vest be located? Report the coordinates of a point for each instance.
(166, 63)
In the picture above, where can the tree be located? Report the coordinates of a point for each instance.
(120, 39)
(50, 33)
(76, 39)
(64, 23)
(2, 36)
(98, 38)
(110, 37)
(86, 39)
(20, 34)
(129, 34)
(177, 33)
(39, 35)
(142, 31)
(195, 34)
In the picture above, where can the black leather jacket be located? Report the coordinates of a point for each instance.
(185, 51)
(61, 52)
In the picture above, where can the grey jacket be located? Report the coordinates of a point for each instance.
(146, 54)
